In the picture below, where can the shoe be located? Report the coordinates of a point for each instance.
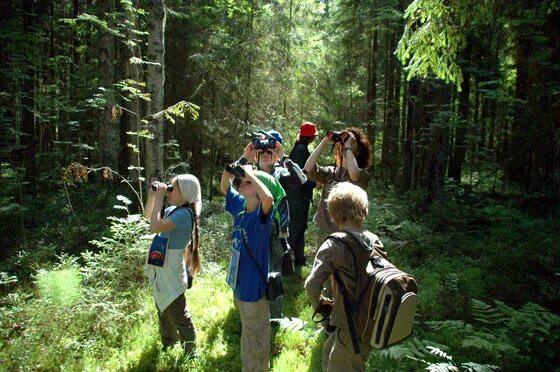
(275, 323)
(291, 323)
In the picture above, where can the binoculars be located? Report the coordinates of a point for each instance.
(169, 187)
(260, 143)
(337, 136)
(238, 172)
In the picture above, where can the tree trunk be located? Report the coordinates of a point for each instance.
(460, 145)
(372, 93)
(8, 138)
(155, 83)
(75, 41)
(552, 107)
(435, 148)
(27, 100)
(109, 137)
(126, 119)
(390, 131)
(413, 117)
(516, 167)
(249, 66)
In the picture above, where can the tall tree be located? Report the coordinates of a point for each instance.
(155, 77)
(371, 97)
(434, 148)
(109, 133)
(414, 115)
(389, 150)
(460, 144)
(27, 101)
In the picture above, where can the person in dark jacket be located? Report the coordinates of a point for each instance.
(299, 198)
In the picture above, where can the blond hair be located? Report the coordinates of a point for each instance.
(347, 203)
(189, 186)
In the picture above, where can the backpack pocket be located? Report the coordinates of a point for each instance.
(394, 305)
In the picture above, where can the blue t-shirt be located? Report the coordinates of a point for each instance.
(180, 236)
(249, 285)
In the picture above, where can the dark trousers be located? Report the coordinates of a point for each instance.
(175, 324)
(299, 214)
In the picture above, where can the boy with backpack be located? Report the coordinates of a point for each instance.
(343, 257)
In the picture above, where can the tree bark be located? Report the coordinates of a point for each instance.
(389, 148)
(372, 93)
(249, 66)
(155, 83)
(460, 145)
(436, 145)
(414, 116)
(108, 135)
(27, 100)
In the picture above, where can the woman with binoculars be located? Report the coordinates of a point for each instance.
(352, 159)
(170, 275)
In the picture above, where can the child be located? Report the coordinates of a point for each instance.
(286, 175)
(251, 207)
(348, 206)
(171, 280)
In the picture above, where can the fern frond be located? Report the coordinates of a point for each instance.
(488, 342)
(489, 316)
(437, 351)
(449, 325)
(412, 347)
(442, 367)
(475, 367)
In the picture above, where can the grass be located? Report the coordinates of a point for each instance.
(218, 327)
(96, 313)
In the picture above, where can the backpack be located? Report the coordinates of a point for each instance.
(384, 302)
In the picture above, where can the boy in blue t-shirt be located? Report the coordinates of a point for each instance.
(251, 207)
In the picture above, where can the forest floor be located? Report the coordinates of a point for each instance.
(94, 311)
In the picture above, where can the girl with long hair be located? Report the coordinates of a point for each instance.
(180, 225)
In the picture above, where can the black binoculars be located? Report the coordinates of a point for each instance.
(260, 143)
(337, 136)
(236, 170)
(169, 187)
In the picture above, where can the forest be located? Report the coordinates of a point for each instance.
(460, 100)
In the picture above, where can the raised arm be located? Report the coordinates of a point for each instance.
(154, 204)
(225, 182)
(264, 194)
(149, 204)
(351, 162)
(312, 160)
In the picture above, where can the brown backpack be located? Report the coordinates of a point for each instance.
(381, 311)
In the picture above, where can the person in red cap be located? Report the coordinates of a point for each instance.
(299, 198)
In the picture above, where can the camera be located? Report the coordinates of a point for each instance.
(260, 143)
(325, 309)
(337, 136)
(169, 187)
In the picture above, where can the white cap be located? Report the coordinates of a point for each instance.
(190, 190)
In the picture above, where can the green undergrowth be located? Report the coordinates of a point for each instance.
(482, 267)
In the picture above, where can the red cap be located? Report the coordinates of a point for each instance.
(307, 129)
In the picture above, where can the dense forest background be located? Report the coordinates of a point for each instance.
(460, 100)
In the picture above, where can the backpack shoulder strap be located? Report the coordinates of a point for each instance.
(350, 307)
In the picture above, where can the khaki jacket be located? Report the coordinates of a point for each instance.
(330, 176)
(333, 255)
